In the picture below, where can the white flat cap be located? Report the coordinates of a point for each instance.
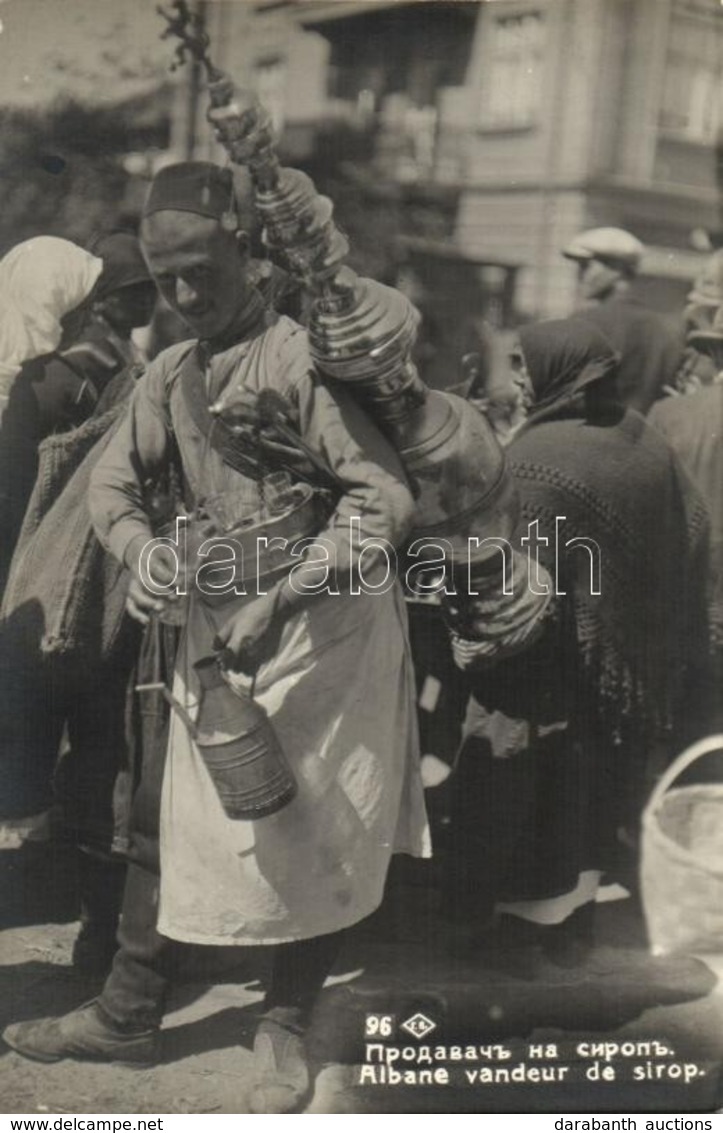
(606, 244)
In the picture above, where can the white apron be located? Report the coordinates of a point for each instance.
(340, 695)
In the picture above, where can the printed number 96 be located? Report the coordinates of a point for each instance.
(381, 1025)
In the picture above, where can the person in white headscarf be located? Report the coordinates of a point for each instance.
(45, 285)
(42, 282)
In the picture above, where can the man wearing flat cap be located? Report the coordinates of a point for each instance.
(691, 420)
(328, 661)
(608, 259)
(702, 309)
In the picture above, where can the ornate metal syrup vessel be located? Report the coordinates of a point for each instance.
(361, 333)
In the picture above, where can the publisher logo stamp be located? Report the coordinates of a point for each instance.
(418, 1025)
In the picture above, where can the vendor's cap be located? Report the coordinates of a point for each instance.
(708, 287)
(613, 244)
(193, 186)
(123, 263)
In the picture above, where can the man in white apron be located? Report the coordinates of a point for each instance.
(331, 668)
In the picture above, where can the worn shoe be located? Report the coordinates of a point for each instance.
(281, 1072)
(85, 1033)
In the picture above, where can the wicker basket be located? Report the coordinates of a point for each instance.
(682, 860)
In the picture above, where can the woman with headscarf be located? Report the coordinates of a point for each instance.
(45, 285)
(43, 281)
(558, 740)
(64, 656)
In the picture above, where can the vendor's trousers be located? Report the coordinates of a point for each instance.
(146, 963)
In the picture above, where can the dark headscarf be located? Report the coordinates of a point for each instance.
(565, 357)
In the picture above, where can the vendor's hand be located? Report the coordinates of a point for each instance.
(238, 409)
(251, 635)
(166, 570)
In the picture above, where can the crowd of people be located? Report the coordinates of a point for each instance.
(101, 446)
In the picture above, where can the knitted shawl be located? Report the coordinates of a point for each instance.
(616, 482)
(641, 641)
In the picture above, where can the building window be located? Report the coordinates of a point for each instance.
(512, 82)
(692, 105)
